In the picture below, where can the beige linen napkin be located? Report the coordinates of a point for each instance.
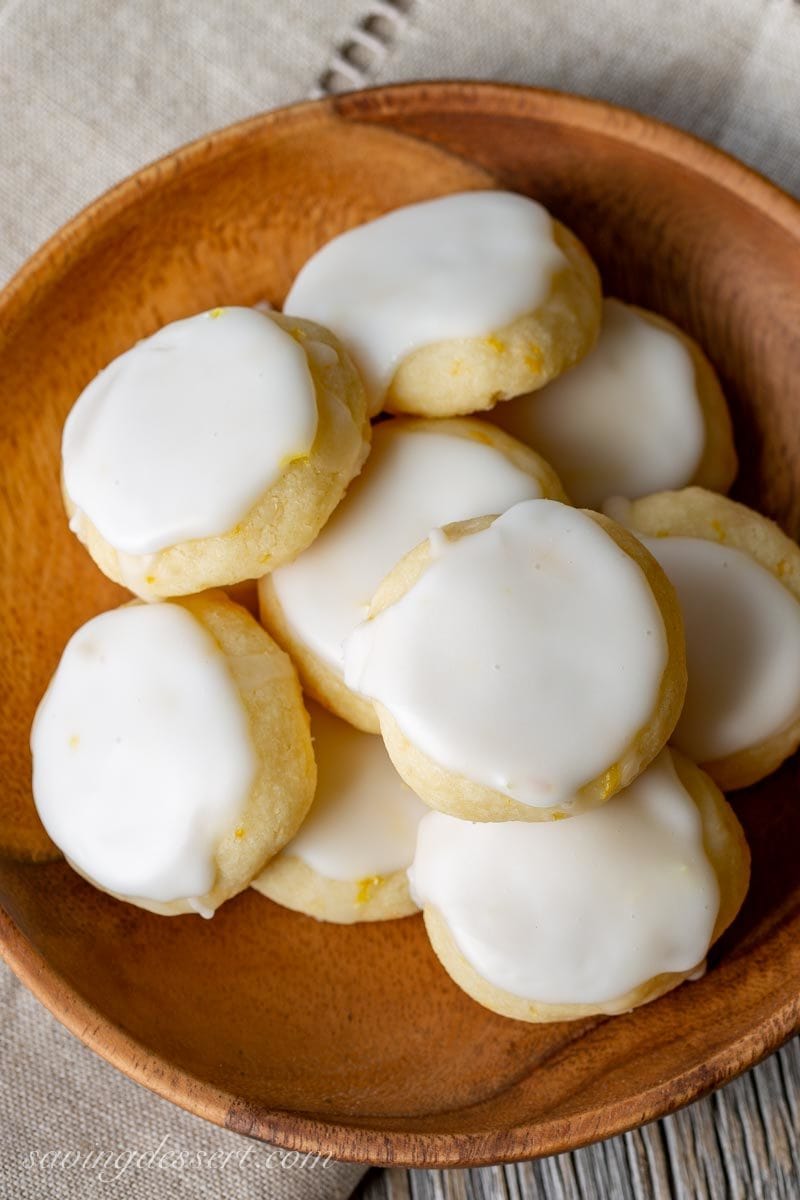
(726, 70)
(92, 89)
(72, 1126)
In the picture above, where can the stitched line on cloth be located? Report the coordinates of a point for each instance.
(365, 48)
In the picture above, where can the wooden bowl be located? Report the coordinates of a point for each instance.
(352, 1040)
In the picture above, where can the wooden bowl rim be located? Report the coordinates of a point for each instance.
(369, 1143)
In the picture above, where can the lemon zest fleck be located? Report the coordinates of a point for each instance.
(366, 887)
(611, 781)
(292, 457)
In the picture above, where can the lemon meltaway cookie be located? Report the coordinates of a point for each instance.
(213, 450)
(523, 667)
(348, 862)
(453, 304)
(598, 914)
(643, 411)
(171, 753)
(737, 576)
(420, 474)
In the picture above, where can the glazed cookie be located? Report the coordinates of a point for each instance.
(451, 305)
(171, 753)
(738, 582)
(213, 450)
(599, 914)
(524, 667)
(641, 412)
(420, 474)
(348, 862)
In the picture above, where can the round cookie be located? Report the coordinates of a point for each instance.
(453, 304)
(171, 753)
(213, 450)
(420, 475)
(598, 914)
(737, 576)
(642, 412)
(524, 667)
(348, 862)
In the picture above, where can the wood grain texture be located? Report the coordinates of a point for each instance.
(352, 1040)
(742, 1143)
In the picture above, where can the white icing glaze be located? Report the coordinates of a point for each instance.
(181, 435)
(578, 911)
(142, 756)
(526, 657)
(363, 822)
(136, 571)
(742, 646)
(627, 419)
(411, 482)
(460, 266)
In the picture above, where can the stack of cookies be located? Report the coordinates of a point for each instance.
(505, 662)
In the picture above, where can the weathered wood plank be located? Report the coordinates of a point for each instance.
(742, 1143)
